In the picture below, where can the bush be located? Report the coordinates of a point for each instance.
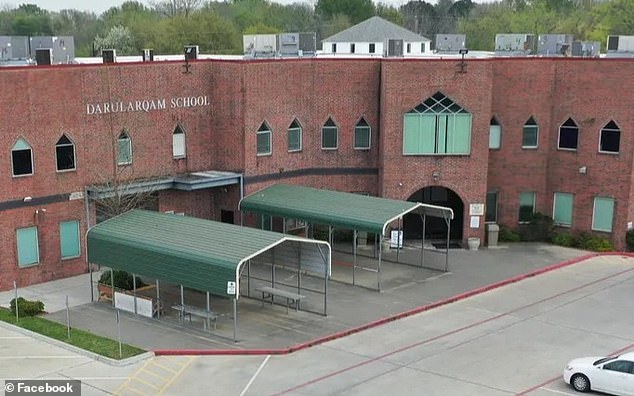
(26, 307)
(508, 235)
(563, 239)
(594, 243)
(538, 228)
(629, 240)
(122, 280)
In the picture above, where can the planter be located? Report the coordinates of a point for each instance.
(473, 243)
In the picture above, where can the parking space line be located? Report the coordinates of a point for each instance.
(257, 372)
(178, 374)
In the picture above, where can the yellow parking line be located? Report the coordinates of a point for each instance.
(123, 385)
(165, 368)
(145, 382)
(178, 374)
(152, 373)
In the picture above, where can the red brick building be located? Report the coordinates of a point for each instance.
(551, 133)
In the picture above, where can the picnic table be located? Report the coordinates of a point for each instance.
(189, 310)
(269, 293)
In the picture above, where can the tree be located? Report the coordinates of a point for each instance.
(389, 13)
(172, 8)
(119, 38)
(356, 10)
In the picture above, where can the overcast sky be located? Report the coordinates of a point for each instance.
(99, 6)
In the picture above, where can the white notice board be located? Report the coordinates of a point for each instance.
(396, 239)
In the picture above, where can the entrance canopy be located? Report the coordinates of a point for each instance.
(192, 252)
(340, 209)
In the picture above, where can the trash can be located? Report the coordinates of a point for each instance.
(494, 231)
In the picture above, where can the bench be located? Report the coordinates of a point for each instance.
(189, 310)
(269, 293)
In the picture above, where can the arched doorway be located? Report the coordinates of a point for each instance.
(435, 228)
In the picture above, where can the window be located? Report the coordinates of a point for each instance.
(124, 144)
(603, 214)
(622, 366)
(527, 206)
(530, 134)
(264, 140)
(491, 214)
(409, 48)
(334, 48)
(610, 139)
(21, 158)
(422, 48)
(568, 135)
(362, 135)
(372, 48)
(562, 209)
(437, 126)
(352, 48)
(69, 239)
(178, 142)
(28, 251)
(495, 134)
(65, 154)
(294, 136)
(329, 136)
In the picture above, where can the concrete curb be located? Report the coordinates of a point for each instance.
(77, 350)
(382, 321)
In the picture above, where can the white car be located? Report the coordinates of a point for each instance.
(613, 375)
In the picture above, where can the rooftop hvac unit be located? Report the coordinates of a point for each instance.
(148, 55)
(14, 47)
(586, 49)
(554, 45)
(288, 44)
(394, 47)
(450, 42)
(515, 44)
(109, 55)
(43, 56)
(191, 52)
(260, 45)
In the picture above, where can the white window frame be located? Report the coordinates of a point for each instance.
(559, 136)
(261, 132)
(30, 149)
(536, 126)
(601, 136)
(572, 213)
(128, 139)
(179, 140)
(594, 207)
(37, 247)
(366, 126)
(335, 128)
(497, 127)
(71, 144)
(78, 239)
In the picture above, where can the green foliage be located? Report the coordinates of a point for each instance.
(79, 338)
(583, 240)
(261, 28)
(539, 227)
(629, 240)
(119, 38)
(356, 10)
(122, 280)
(508, 235)
(27, 307)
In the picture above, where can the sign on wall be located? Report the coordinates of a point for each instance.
(147, 105)
(476, 209)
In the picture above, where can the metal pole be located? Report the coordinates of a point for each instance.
(119, 335)
(17, 309)
(422, 247)
(134, 292)
(112, 285)
(299, 270)
(354, 255)
(87, 206)
(378, 274)
(67, 319)
(447, 252)
(272, 269)
(92, 291)
(235, 320)
(182, 306)
(326, 284)
(330, 237)
(208, 311)
(249, 278)
(158, 301)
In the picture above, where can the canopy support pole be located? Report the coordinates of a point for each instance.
(134, 291)
(299, 272)
(208, 310)
(326, 282)
(158, 301)
(448, 221)
(330, 230)
(422, 246)
(398, 239)
(378, 273)
(354, 256)
(235, 319)
(249, 278)
(182, 306)
(112, 284)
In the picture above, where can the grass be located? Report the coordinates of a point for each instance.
(79, 338)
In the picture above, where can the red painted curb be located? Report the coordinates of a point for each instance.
(382, 321)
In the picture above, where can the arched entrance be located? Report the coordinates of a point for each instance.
(435, 228)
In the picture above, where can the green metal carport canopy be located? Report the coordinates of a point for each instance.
(192, 252)
(340, 209)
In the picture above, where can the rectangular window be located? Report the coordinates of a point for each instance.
(334, 48)
(352, 48)
(178, 144)
(603, 214)
(69, 239)
(529, 136)
(372, 48)
(28, 250)
(409, 48)
(491, 214)
(362, 137)
(562, 209)
(125, 152)
(264, 143)
(527, 206)
(495, 136)
(422, 48)
(294, 139)
(437, 134)
(329, 137)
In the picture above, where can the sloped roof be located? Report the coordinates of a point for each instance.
(341, 209)
(196, 253)
(374, 30)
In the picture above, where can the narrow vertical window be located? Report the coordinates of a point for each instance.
(603, 214)
(124, 146)
(527, 206)
(69, 239)
(264, 140)
(352, 48)
(334, 48)
(530, 134)
(495, 134)
(568, 135)
(610, 140)
(21, 158)
(329, 135)
(491, 213)
(64, 154)
(562, 209)
(422, 48)
(362, 135)
(409, 48)
(372, 48)
(178, 142)
(294, 142)
(28, 249)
